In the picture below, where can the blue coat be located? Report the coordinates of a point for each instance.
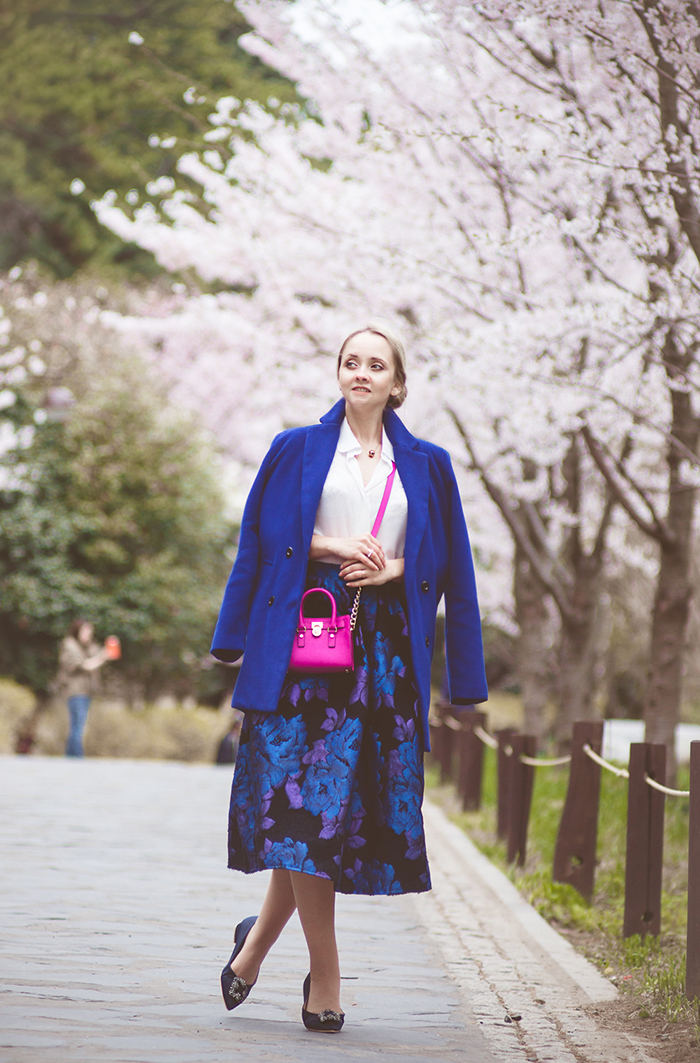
(261, 602)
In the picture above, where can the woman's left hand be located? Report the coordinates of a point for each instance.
(356, 574)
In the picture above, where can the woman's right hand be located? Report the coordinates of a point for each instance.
(364, 548)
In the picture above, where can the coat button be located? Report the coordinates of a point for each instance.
(289, 551)
(427, 641)
(425, 586)
(271, 599)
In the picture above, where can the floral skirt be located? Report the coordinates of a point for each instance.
(331, 784)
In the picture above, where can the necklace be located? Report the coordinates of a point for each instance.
(371, 453)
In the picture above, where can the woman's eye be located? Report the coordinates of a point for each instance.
(378, 365)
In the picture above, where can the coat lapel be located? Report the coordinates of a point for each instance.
(319, 448)
(412, 466)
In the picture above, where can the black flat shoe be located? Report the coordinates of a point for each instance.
(323, 1021)
(235, 989)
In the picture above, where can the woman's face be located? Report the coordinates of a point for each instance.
(85, 634)
(367, 374)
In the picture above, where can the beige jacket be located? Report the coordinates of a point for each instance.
(72, 678)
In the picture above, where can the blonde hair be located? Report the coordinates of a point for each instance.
(397, 349)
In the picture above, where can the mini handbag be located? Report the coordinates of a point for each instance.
(325, 644)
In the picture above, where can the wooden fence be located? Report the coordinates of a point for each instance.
(459, 738)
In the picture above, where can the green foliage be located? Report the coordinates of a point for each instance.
(16, 707)
(115, 515)
(78, 100)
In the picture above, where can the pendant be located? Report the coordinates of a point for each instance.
(371, 453)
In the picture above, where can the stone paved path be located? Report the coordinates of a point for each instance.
(117, 913)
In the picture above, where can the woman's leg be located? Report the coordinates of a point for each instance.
(276, 911)
(315, 902)
(78, 706)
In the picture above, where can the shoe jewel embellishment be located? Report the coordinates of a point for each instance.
(329, 1016)
(238, 990)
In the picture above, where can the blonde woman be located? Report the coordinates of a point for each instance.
(328, 785)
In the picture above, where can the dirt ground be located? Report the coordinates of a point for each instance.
(674, 1042)
(633, 1011)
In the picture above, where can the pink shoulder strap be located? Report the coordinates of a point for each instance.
(385, 500)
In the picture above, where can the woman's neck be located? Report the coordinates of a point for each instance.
(366, 430)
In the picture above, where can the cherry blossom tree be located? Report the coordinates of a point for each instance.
(517, 185)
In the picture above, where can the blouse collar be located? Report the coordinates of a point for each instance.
(348, 444)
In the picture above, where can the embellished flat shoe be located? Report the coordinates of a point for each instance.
(323, 1021)
(235, 989)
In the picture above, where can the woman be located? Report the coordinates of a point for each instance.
(328, 785)
(79, 659)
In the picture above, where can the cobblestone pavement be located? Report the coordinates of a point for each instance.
(117, 913)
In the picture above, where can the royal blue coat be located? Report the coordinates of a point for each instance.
(260, 608)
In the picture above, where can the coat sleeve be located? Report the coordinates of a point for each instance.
(229, 637)
(466, 676)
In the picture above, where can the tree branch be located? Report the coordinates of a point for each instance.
(611, 501)
(614, 475)
(543, 571)
(681, 189)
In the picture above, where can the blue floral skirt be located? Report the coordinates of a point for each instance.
(331, 784)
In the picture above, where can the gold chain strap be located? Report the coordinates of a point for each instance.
(355, 607)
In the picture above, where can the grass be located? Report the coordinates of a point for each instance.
(650, 970)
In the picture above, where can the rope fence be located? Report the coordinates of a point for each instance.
(665, 789)
(621, 773)
(459, 740)
(558, 762)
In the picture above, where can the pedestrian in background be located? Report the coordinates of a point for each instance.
(328, 784)
(79, 659)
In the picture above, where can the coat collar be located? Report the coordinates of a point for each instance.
(395, 428)
(411, 463)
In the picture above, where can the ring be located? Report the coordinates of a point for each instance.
(370, 553)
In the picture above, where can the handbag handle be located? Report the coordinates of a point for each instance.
(317, 590)
(385, 500)
(375, 528)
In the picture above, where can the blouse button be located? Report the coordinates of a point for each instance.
(427, 641)
(271, 599)
(425, 586)
(289, 551)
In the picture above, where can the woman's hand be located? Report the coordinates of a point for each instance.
(365, 550)
(359, 574)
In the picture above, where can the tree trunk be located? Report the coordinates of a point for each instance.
(673, 589)
(532, 650)
(668, 630)
(576, 652)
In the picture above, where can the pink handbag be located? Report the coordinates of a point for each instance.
(325, 644)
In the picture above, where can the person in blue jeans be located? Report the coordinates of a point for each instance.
(79, 659)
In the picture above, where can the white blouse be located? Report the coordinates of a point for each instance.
(348, 508)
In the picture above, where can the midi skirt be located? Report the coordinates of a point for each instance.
(331, 784)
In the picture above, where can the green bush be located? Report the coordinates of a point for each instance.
(16, 707)
(155, 732)
(114, 514)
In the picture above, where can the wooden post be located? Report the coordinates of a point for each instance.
(447, 744)
(692, 963)
(471, 759)
(575, 850)
(645, 841)
(522, 777)
(504, 737)
(441, 741)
